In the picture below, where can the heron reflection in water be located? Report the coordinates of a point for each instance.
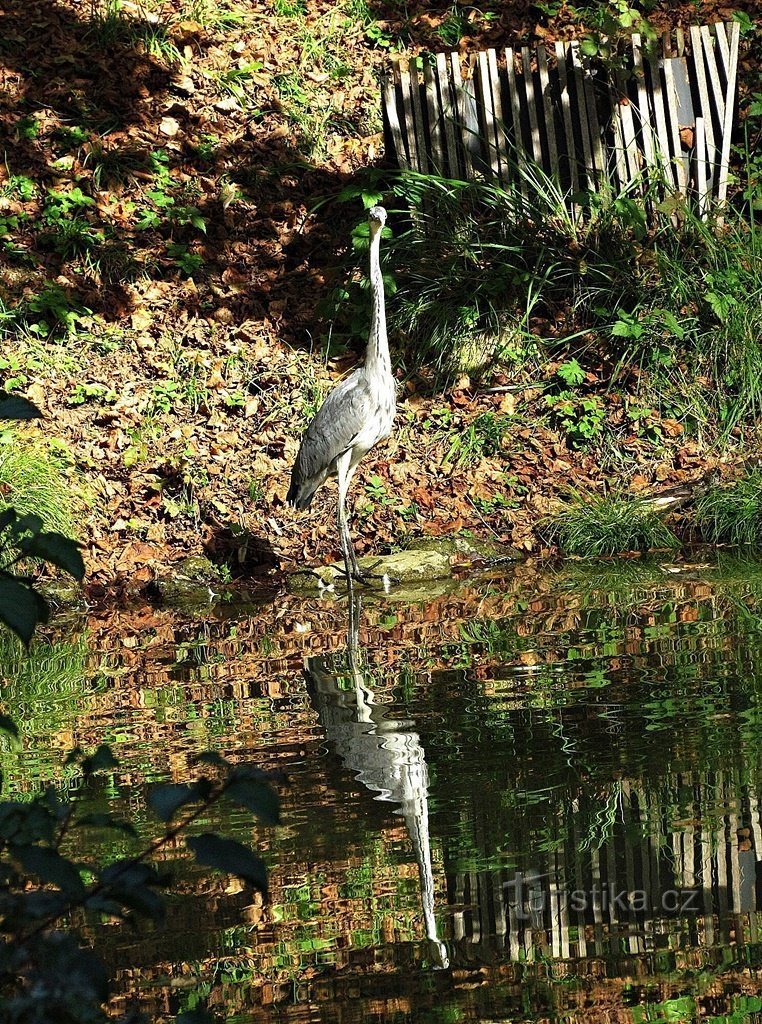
(385, 753)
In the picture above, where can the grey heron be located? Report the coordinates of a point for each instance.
(355, 416)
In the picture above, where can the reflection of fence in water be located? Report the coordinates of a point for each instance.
(648, 886)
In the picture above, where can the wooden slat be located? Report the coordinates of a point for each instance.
(661, 121)
(628, 128)
(547, 104)
(620, 159)
(518, 141)
(472, 136)
(734, 35)
(712, 150)
(407, 107)
(488, 114)
(582, 112)
(497, 102)
(714, 72)
(679, 41)
(436, 142)
(671, 101)
(390, 105)
(460, 106)
(420, 130)
(722, 44)
(534, 126)
(448, 115)
(599, 160)
(644, 114)
(566, 112)
(701, 167)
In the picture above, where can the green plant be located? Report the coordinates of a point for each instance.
(51, 308)
(594, 525)
(82, 393)
(33, 483)
(732, 514)
(453, 27)
(22, 537)
(580, 417)
(237, 81)
(481, 439)
(166, 394)
(189, 262)
(28, 127)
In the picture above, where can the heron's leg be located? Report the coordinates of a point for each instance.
(345, 472)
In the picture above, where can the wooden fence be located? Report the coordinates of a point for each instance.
(662, 116)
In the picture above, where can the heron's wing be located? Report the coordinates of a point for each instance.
(336, 426)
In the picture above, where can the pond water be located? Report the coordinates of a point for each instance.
(535, 797)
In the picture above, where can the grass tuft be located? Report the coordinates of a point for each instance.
(32, 480)
(595, 525)
(732, 515)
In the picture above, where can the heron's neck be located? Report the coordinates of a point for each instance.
(377, 360)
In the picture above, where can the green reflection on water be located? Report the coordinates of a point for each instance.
(462, 776)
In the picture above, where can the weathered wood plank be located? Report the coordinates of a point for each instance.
(620, 160)
(596, 137)
(488, 114)
(392, 115)
(644, 113)
(734, 35)
(460, 102)
(628, 128)
(518, 140)
(670, 90)
(534, 126)
(722, 44)
(497, 102)
(712, 149)
(436, 147)
(409, 118)
(701, 162)
(472, 137)
(582, 113)
(547, 105)
(714, 72)
(563, 78)
(420, 128)
(448, 115)
(661, 122)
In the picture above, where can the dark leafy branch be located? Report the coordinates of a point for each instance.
(45, 973)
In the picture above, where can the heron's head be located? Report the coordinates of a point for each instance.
(376, 218)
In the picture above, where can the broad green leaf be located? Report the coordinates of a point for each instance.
(20, 607)
(167, 799)
(14, 407)
(58, 550)
(230, 856)
(256, 796)
(50, 867)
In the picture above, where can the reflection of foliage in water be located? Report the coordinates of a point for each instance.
(43, 691)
